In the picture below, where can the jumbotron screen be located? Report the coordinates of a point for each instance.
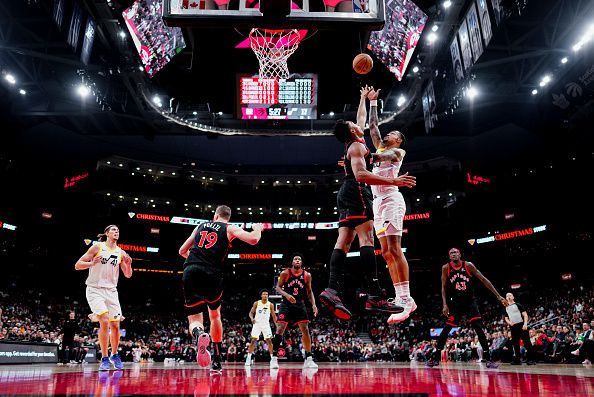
(294, 98)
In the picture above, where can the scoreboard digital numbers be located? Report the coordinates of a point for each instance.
(294, 98)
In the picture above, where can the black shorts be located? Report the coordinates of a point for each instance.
(355, 204)
(203, 286)
(468, 309)
(292, 313)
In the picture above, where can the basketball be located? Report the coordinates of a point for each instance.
(362, 63)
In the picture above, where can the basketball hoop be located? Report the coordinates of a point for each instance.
(273, 48)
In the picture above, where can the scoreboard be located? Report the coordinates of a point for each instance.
(294, 98)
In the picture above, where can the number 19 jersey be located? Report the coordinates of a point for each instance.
(210, 245)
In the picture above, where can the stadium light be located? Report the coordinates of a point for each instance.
(10, 78)
(447, 4)
(472, 93)
(534, 91)
(415, 69)
(401, 100)
(83, 90)
(22, 92)
(434, 28)
(431, 37)
(564, 60)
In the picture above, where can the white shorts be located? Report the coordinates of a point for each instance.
(104, 300)
(388, 214)
(261, 329)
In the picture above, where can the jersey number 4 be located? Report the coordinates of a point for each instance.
(209, 237)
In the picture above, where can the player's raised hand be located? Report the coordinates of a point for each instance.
(365, 90)
(372, 95)
(96, 261)
(405, 180)
(292, 299)
(315, 310)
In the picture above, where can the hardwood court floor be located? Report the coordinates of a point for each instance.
(372, 379)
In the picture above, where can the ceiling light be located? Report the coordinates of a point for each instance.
(564, 60)
(434, 28)
(534, 91)
(22, 92)
(122, 34)
(401, 100)
(173, 173)
(447, 4)
(10, 78)
(415, 69)
(331, 113)
(121, 165)
(431, 37)
(195, 113)
(83, 90)
(472, 92)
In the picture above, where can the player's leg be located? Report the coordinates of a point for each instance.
(256, 331)
(477, 325)
(115, 315)
(330, 296)
(306, 338)
(216, 333)
(281, 326)
(100, 313)
(104, 334)
(451, 322)
(369, 270)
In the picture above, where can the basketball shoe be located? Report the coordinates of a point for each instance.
(330, 300)
(202, 355)
(309, 363)
(378, 304)
(409, 307)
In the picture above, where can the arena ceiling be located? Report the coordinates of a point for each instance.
(505, 119)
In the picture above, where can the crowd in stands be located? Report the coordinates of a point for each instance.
(560, 330)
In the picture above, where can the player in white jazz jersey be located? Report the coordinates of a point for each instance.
(389, 209)
(104, 261)
(260, 315)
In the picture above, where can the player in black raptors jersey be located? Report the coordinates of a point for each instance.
(355, 206)
(457, 280)
(205, 251)
(294, 284)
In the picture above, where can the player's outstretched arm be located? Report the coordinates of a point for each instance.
(356, 153)
(88, 259)
(185, 248)
(376, 137)
(394, 154)
(475, 272)
(362, 109)
(251, 238)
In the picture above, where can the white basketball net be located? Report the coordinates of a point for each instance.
(273, 48)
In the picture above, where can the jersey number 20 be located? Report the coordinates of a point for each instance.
(209, 237)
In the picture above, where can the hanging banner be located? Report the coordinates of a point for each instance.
(428, 101)
(58, 13)
(474, 29)
(89, 37)
(75, 25)
(456, 60)
(497, 11)
(465, 45)
(483, 12)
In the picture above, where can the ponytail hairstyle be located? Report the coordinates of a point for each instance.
(103, 236)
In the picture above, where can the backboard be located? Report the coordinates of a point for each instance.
(304, 14)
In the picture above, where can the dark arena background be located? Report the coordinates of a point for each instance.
(149, 114)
